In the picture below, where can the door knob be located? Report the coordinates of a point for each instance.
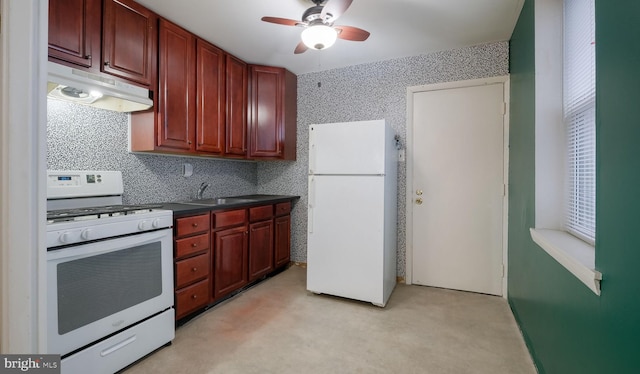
(419, 201)
(419, 192)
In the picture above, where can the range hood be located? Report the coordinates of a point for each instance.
(69, 84)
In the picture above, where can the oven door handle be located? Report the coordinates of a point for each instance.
(118, 346)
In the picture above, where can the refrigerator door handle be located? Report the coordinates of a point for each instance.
(312, 158)
(312, 202)
(312, 151)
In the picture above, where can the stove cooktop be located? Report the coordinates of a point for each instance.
(81, 214)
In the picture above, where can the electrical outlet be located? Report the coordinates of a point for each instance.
(187, 170)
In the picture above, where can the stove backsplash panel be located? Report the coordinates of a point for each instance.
(84, 138)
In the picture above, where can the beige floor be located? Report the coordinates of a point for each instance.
(278, 327)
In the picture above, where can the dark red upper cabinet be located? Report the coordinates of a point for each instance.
(236, 105)
(177, 92)
(74, 32)
(129, 41)
(272, 113)
(210, 119)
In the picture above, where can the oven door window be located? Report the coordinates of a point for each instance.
(95, 287)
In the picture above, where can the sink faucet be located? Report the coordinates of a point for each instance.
(203, 187)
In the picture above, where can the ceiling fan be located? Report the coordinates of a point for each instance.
(319, 31)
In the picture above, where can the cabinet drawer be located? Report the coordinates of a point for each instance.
(229, 218)
(260, 213)
(192, 269)
(192, 225)
(283, 208)
(191, 298)
(193, 244)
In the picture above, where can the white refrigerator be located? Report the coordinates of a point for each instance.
(352, 214)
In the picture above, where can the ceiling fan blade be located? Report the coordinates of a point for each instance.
(352, 33)
(335, 8)
(282, 21)
(300, 48)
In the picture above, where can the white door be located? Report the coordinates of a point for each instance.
(458, 188)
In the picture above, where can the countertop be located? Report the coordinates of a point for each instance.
(180, 208)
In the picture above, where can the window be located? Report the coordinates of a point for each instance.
(565, 135)
(579, 117)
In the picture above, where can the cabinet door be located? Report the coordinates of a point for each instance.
(230, 260)
(260, 249)
(282, 240)
(265, 131)
(176, 105)
(210, 121)
(273, 113)
(129, 41)
(237, 84)
(74, 31)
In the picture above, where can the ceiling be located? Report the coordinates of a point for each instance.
(398, 28)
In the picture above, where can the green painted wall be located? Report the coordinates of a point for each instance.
(568, 328)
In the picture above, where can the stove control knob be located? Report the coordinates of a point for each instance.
(142, 225)
(86, 234)
(65, 237)
(156, 223)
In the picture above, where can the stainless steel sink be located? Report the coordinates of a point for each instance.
(219, 201)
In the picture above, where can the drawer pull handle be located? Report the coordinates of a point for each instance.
(118, 346)
(195, 224)
(194, 269)
(194, 245)
(194, 296)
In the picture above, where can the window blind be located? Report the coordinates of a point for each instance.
(579, 117)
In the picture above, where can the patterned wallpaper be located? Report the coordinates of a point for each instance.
(85, 138)
(82, 138)
(365, 92)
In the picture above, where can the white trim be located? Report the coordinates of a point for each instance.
(23, 59)
(549, 131)
(505, 205)
(408, 201)
(574, 254)
(504, 80)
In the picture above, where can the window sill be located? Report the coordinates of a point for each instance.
(575, 255)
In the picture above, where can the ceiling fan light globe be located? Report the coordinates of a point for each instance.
(319, 36)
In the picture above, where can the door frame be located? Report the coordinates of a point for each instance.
(411, 91)
(23, 147)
